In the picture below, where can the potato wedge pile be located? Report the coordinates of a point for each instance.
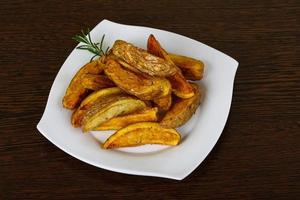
(142, 94)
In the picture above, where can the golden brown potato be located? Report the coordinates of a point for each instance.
(142, 60)
(164, 103)
(112, 106)
(182, 110)
(142, 133)
(142, 86)
(76, 92)
(180, 86)
(116, 123)
(191, 68)
(148, 103)
(79, 113)
(127, 66)
(123, 63)
(96, 82)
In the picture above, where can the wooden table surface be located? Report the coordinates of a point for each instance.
(257, 156)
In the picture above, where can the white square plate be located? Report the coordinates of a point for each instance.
(199, 135)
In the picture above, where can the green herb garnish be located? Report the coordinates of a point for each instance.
(89, 45)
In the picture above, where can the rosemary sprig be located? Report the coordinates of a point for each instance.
(89, 45)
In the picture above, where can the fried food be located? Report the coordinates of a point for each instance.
(127, 66)
(79, 113)
(76, 92)
(191, 68)
(116, 123)
(142, 60)
(182, 110)
(106, 108)
(164, 103)
(96, 82)
(142, 133)
(180, 86)
(142, 86)
(120, 89)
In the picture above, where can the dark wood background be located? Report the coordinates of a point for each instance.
(257, 156)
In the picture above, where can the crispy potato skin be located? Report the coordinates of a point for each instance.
(129, 67)
(142, 86)
(76, 92)
(180, 86)
(79, 113)
(142, 133)
(116, 123)
(182, 110)
(107, 108)
(96, 82)
(191, 68)
(142, 60)
(164, 103)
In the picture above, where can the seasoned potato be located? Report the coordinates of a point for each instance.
(116, 123)
(142, 60)
(127, 66)
(180, 86)
(105, 109)
(142, 133)
(123, 63)
(191, 68)
(164, 103)
(143, 94)
(76, 92)
(79, 113)
(182, 110)
(96, 82)
(142, 86)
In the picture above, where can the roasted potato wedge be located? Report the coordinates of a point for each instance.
(96, 82)
(127, 66)
(116, 123)
(180, 86)
(142, 60)
(182, 110)
(164, 103)
(76, 92)
(123, 63)
(79, 113)
(191, 68)
(142, 133)
(105, 109)
(142, 86)
(118, 92)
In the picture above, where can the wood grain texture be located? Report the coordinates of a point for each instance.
(257, 156)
